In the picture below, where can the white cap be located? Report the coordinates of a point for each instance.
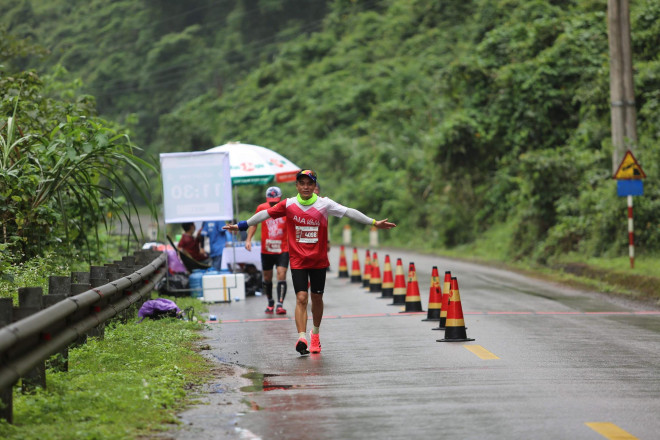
(273, 194)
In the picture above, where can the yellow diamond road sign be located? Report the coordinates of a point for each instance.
(629, 168)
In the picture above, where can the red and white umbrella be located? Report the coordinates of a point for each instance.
(254, 165)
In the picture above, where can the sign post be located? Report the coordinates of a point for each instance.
(629, 177)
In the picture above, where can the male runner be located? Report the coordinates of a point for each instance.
(274, 251)
(307, 228)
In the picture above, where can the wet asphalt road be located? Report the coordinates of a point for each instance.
(556, 360)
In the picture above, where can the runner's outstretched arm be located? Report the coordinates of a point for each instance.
(252, 221)
(359, 217)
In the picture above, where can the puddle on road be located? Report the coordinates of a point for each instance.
(264, 382)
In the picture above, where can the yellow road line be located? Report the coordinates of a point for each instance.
(610, 431)
(481, 352)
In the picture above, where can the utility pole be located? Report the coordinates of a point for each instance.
(622, 93)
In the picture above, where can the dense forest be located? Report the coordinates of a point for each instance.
(451, 118)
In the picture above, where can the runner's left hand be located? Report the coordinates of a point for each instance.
(384, 224)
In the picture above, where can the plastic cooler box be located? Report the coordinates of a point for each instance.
(224, 287)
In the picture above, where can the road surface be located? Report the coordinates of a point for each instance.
(547, 362)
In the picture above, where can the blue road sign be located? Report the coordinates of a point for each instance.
(630, 188)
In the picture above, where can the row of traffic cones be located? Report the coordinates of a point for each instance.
(444, 308)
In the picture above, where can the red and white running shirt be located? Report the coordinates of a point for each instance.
(307, 229)
(273, 233)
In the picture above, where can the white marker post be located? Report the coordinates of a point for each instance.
(373, 237)
(346, 235)
(631, 233)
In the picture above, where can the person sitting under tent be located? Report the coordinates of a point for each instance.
(192, 244)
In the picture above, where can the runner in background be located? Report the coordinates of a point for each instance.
(274, 251)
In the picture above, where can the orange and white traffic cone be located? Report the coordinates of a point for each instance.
(455, 331)
(366, 276)
(435, 297)
(343, 266)
(446, 287)
(413, 298)
(388, 281)
(356, 277)
(399, 292)
(375, 282)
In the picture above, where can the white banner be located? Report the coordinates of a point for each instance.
(196, 186)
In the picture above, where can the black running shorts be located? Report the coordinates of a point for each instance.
(270, 260)
(312, 279)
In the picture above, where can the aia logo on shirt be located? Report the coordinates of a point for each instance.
(306, 221)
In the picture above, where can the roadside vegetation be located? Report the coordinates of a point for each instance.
(128, 384)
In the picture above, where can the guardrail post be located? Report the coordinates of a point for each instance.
(138, 263)
(117, 271)
(79, 277)
(59, 361)
(98, 278)
(6, 394)
(97, 273)
(144, 257)
(125, 266)
(30, 301)
(78, 288)
(111, 271)
(59, 287)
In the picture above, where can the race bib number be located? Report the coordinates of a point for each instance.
(307, 234)
(274, 246)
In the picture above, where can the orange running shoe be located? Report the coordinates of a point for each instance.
(301, 346)
(280, 310)
(315, 343)
(269, 310)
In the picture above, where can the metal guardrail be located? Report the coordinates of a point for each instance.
(44, 325)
